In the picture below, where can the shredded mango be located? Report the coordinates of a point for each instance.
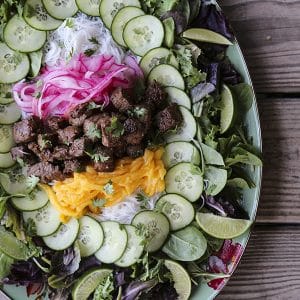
(75, 196)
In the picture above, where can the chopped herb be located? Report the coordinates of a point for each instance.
(93, 132)
(94, 41)
(45, 143)
(99, 202)
(97, 157)
(93, 105)
(143, 199)
(139, 112)
(115, 128)
(32, 181)
(105, 289)
(69, 23)
(108, 188)
(89, 52)
(30, 227)
(39, 83)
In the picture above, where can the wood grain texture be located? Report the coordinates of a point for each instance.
(269, 34)
(280, 198)
(270, 267)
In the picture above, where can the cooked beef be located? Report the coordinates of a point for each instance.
(55, 123)
(112, 131)
(143, 114)
(25, 131)
(135, 150)
(169, 118)
(71, 166)
(120, 99)
(155, 96)
(79, 147)
(134, 131)
(119, 152)
(46, 140)
(46, 172)
(79, 114)
(68, 135)
(22, 154)
(92, 128)
(61, 152)
(43, 155)
(103, 159)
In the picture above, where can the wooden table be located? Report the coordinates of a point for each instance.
(269, 33)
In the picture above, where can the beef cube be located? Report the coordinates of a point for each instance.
(79, 114)
(46, 171)
(61, 152)
(43, 155)
(112, 131)
(120, 99)
(119, 152)
(71, 166)
(46, 140)
(155, 96)
(54, 123)
(68, 135)
(169, 118)
(92, 128)
(134, 131)
(25, 131)
(135, 151)
(22, 154)
(143, 114)
(103, 159)
(79, 147)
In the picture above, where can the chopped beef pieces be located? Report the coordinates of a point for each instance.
(68, 135)
(79, 114)
(112, 131)
(46, 172)
(155, 96)
(71, 166)
(25, 131)
(92, 128)
(43, 155)
(46, 140)
(169, 118)
(79, 147)
(135, 150)
(55, 123)
(143, 114)
(22, 154)
(119, 152)
(134, 131)
(103, 159)
(61, 152)
(120, 99)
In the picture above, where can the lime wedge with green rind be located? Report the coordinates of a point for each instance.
(11, 246)
(206, 36)
(227, 109)
(222, 227)
(181, 278)
(88, 282)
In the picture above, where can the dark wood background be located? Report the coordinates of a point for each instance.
(269, 34)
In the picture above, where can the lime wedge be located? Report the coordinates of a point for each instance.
(11, 246)
(206, 36)
(221, 227)
(182, 280)
(227, 109)
(88, 282)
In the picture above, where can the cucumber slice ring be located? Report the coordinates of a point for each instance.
(9, 113)
(89, 7)
(6, 160)
(60, 9)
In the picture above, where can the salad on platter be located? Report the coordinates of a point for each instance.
(124, 151)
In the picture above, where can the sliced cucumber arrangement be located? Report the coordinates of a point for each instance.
(9, 113)
(186, 180)
(178, 96)
(64, 237)
(36, 200)
(143, 33)
(14, 66)
(166, 75)
(6, 138)
(179, 211)
(6, 160)
(89, 7)
(108, 9)
(36, 16)
(61, 9)
(15, 183)
(121, 18)
(46, 219)
(187, 130)
(178, 152)
(134, 248)
(155, 57)
(156, 226)
(115, 241)
(90, 237)
(19, 36)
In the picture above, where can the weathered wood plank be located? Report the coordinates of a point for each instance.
(269, 34)
(270, 267)
(280, 198)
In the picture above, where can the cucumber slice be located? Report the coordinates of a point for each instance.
(134, 248)
(90, 237)
(89, 7)
(178, 152)
(46, 219)
(19, 36)
(156, 227)
(6, 160)
(179, 211)
(9, 113)
(108, 9)
(216, 180)
(156, 57)
(6, 138)
(36, 200)
(36, 16)
(64, 237)
(186, 131)
(60, 9)
(167, 75)
(178, 96)
(169, 26)
(115, 241)
(143, 33)
(14, 66)
(211, 156)
(121, 18)
(186, 180)
(6, 100)
(5, 91)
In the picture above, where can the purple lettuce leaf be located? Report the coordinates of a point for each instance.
(135, 288)
(162, 291)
